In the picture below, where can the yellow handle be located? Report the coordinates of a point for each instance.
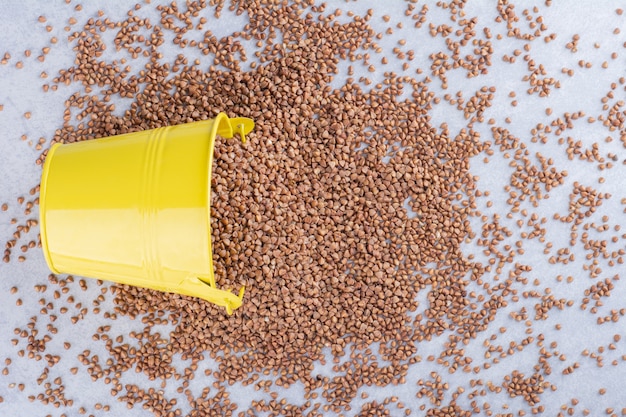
(199, 287)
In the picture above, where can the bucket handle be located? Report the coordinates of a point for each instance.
(203, 288)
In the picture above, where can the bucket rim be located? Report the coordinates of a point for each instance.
(219, 119)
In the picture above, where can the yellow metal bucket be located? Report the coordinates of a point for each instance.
(135, 208)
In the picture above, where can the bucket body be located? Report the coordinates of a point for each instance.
(135, 208)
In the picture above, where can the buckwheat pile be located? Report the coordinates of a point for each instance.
(372, 253)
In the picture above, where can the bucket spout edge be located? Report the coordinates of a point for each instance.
(227, 127)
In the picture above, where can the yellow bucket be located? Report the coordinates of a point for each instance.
(135, 208)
